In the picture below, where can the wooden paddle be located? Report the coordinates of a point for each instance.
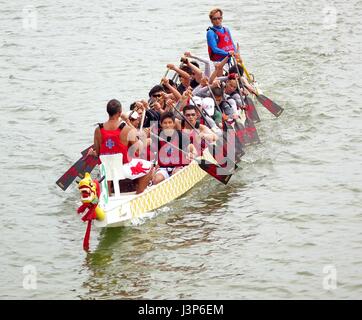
(270, 105)
(250, 109)
(85, 163)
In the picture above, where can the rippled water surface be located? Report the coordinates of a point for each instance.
(284, 225)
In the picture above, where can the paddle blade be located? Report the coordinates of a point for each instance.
(219, 173)
(241, 133)
(250, 109)
(85, 151)
(78, 169)
(221, 154)
(274, 108)
(252, 134)
(232, 138)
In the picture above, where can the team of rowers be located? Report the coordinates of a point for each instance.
(183, 115)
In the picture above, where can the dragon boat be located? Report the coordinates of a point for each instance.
(127, 208)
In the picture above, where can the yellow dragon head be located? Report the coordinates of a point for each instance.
(88, 189)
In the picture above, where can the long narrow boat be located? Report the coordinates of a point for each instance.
(130, 208)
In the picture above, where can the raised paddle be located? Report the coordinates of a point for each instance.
(250, 109)
(166, 73)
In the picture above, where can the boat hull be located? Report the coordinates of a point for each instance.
(131, 208)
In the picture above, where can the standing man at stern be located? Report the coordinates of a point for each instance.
(219, 41)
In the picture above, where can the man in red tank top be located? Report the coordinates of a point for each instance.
(113, 136)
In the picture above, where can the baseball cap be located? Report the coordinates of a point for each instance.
(134, 115)
(208, 105)
(198, 100)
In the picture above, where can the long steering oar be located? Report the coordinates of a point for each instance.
(250, 109)
(273, 107)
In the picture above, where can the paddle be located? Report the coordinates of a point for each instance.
(239, 130)
(249, 105)
(84, 164)
(270, 105)
(166, 73)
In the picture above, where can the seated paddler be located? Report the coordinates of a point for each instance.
(174, 149)
(113, 137)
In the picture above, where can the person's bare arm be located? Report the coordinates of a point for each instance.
(180, 72)
(173, 90)
(196, 70)
(97, 141)
(206, 62)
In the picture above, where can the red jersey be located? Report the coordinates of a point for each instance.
(111, 142)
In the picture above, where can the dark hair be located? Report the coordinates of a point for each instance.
(233, 70)
(113, 107)
(167, 114)
(132, 106)
(188, 107)
(156, 88)
(218, 92)
(187, 69)
(195, 64)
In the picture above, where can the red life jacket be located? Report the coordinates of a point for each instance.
(169, 156)
(224, 43)
(111, 142)
(200, 147)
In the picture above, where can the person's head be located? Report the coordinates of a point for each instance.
(167, 121)
(156, 93)
(218, 93)
(230, 86)
(215, 16)
(190, 113)
(134, 118)
(114, 108)
(234, 70)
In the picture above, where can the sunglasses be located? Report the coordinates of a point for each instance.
(157, 95)
(216, 18)
(190, 114)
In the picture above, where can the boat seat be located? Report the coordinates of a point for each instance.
(113, 166)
